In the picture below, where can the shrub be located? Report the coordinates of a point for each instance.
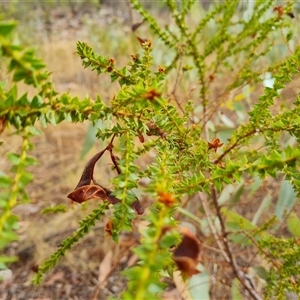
(205, 160)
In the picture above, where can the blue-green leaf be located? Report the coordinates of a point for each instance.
(199, 284)
(286, 200)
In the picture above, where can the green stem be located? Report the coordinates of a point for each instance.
(15, 189)
(146, 270)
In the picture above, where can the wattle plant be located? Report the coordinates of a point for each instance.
(209, 150)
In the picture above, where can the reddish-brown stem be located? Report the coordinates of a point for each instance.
(233, 146)
(136, 204)
(114, 160)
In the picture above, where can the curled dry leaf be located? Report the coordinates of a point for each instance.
(88, 189)
(187, 252)
(88, 172)
(88, 192)
(138, 206)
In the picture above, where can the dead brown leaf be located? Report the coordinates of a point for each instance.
(59, 276)
(105, 266)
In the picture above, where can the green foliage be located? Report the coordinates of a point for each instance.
(25, 67)
(283, 258)
(155, 255)
(85, 226)
(55, 209)
(143, 119)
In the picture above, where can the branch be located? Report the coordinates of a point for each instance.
(241, 276)
(211, 226)
(234, 145)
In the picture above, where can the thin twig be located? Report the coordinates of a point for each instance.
(177, 80)
(212, 227)
(234, 145)
(274, 263)
(112, 269)
(241, 276)
(136, 204)
(114, 160)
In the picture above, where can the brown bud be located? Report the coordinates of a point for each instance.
(112, 61)
(161, 69)
(135, 57)
(211, 78)
(109, 227)
(152, 94)
(279, 9)
(166, 198)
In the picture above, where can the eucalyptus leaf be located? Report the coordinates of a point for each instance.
(226, 120)
(225, 133)
(231, 193)
(286, 200)
(199, 284)
(263, 206)
(235, 221)
(90, 138)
